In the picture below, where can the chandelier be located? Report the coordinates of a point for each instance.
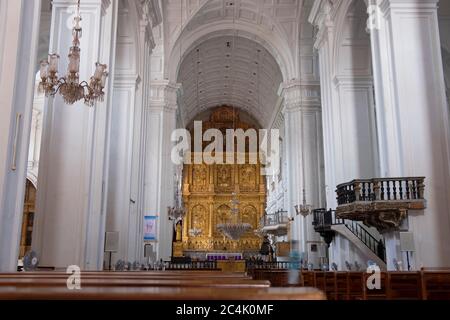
(303, 209)
(177, 212)
(69, 86)
(234, 230)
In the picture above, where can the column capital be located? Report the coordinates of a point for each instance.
(149, 13)
(151, 10)
(105, 6)
(415, 5)
(300, 95)
(321, 17)
(353, 81)
(164, 95)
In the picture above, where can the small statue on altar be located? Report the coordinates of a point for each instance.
(264, 251)
(271, 254)
(178, 231)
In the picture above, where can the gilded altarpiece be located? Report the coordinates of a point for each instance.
(208, 191)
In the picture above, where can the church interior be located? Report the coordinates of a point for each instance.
(225, 149)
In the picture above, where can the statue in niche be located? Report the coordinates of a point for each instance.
(198, 218)
(178, 232)
(224, 176)
(224, 214)
(200, 176)
(248, 215)
(248, 176)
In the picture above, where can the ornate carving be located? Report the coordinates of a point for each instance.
(224, 177)
(199, 218)
(249, 215)
(200, 177)
(386, 221)
(384, 215)
(248, 177)
(208, 192)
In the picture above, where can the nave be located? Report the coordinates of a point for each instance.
(99, 149)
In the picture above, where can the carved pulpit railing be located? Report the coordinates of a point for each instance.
(382, 203)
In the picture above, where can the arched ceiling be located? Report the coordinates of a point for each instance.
(275, 31)
(275, 22)
(267, 14)
(230, 70)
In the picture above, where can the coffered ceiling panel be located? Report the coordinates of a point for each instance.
(230, 70)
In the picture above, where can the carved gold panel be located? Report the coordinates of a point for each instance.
(224, 178)
(208, 191)
(248, 177)
(200, 174)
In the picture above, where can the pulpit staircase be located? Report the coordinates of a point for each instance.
(326, 223)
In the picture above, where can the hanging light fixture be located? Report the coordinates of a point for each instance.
(303, 209)
(234, 229)
(69, 86)
(178, 212)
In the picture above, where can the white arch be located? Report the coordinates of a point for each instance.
(31, 176)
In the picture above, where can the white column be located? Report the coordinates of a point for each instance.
(19, 25)
(314, 162)
(413, 117)
(160, 170)
(304, 155)
(320, 17)
(135, 247)
(70, 219)
(127, 149)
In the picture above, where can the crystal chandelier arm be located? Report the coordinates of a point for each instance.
(57, 86)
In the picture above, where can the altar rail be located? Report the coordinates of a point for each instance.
(192, 265)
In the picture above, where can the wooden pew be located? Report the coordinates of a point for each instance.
(341, 285)
(309, 279)
(101, 282)
(355, 286)
(159, 293)
(376, 294)
(135, 279)
(331, 285)
(147, 286)
(427, 284)
(320, 280)
(132, 275)
(404, 286)
(279, 278)
(435, 283)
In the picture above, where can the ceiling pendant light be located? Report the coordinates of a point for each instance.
(69, 86)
